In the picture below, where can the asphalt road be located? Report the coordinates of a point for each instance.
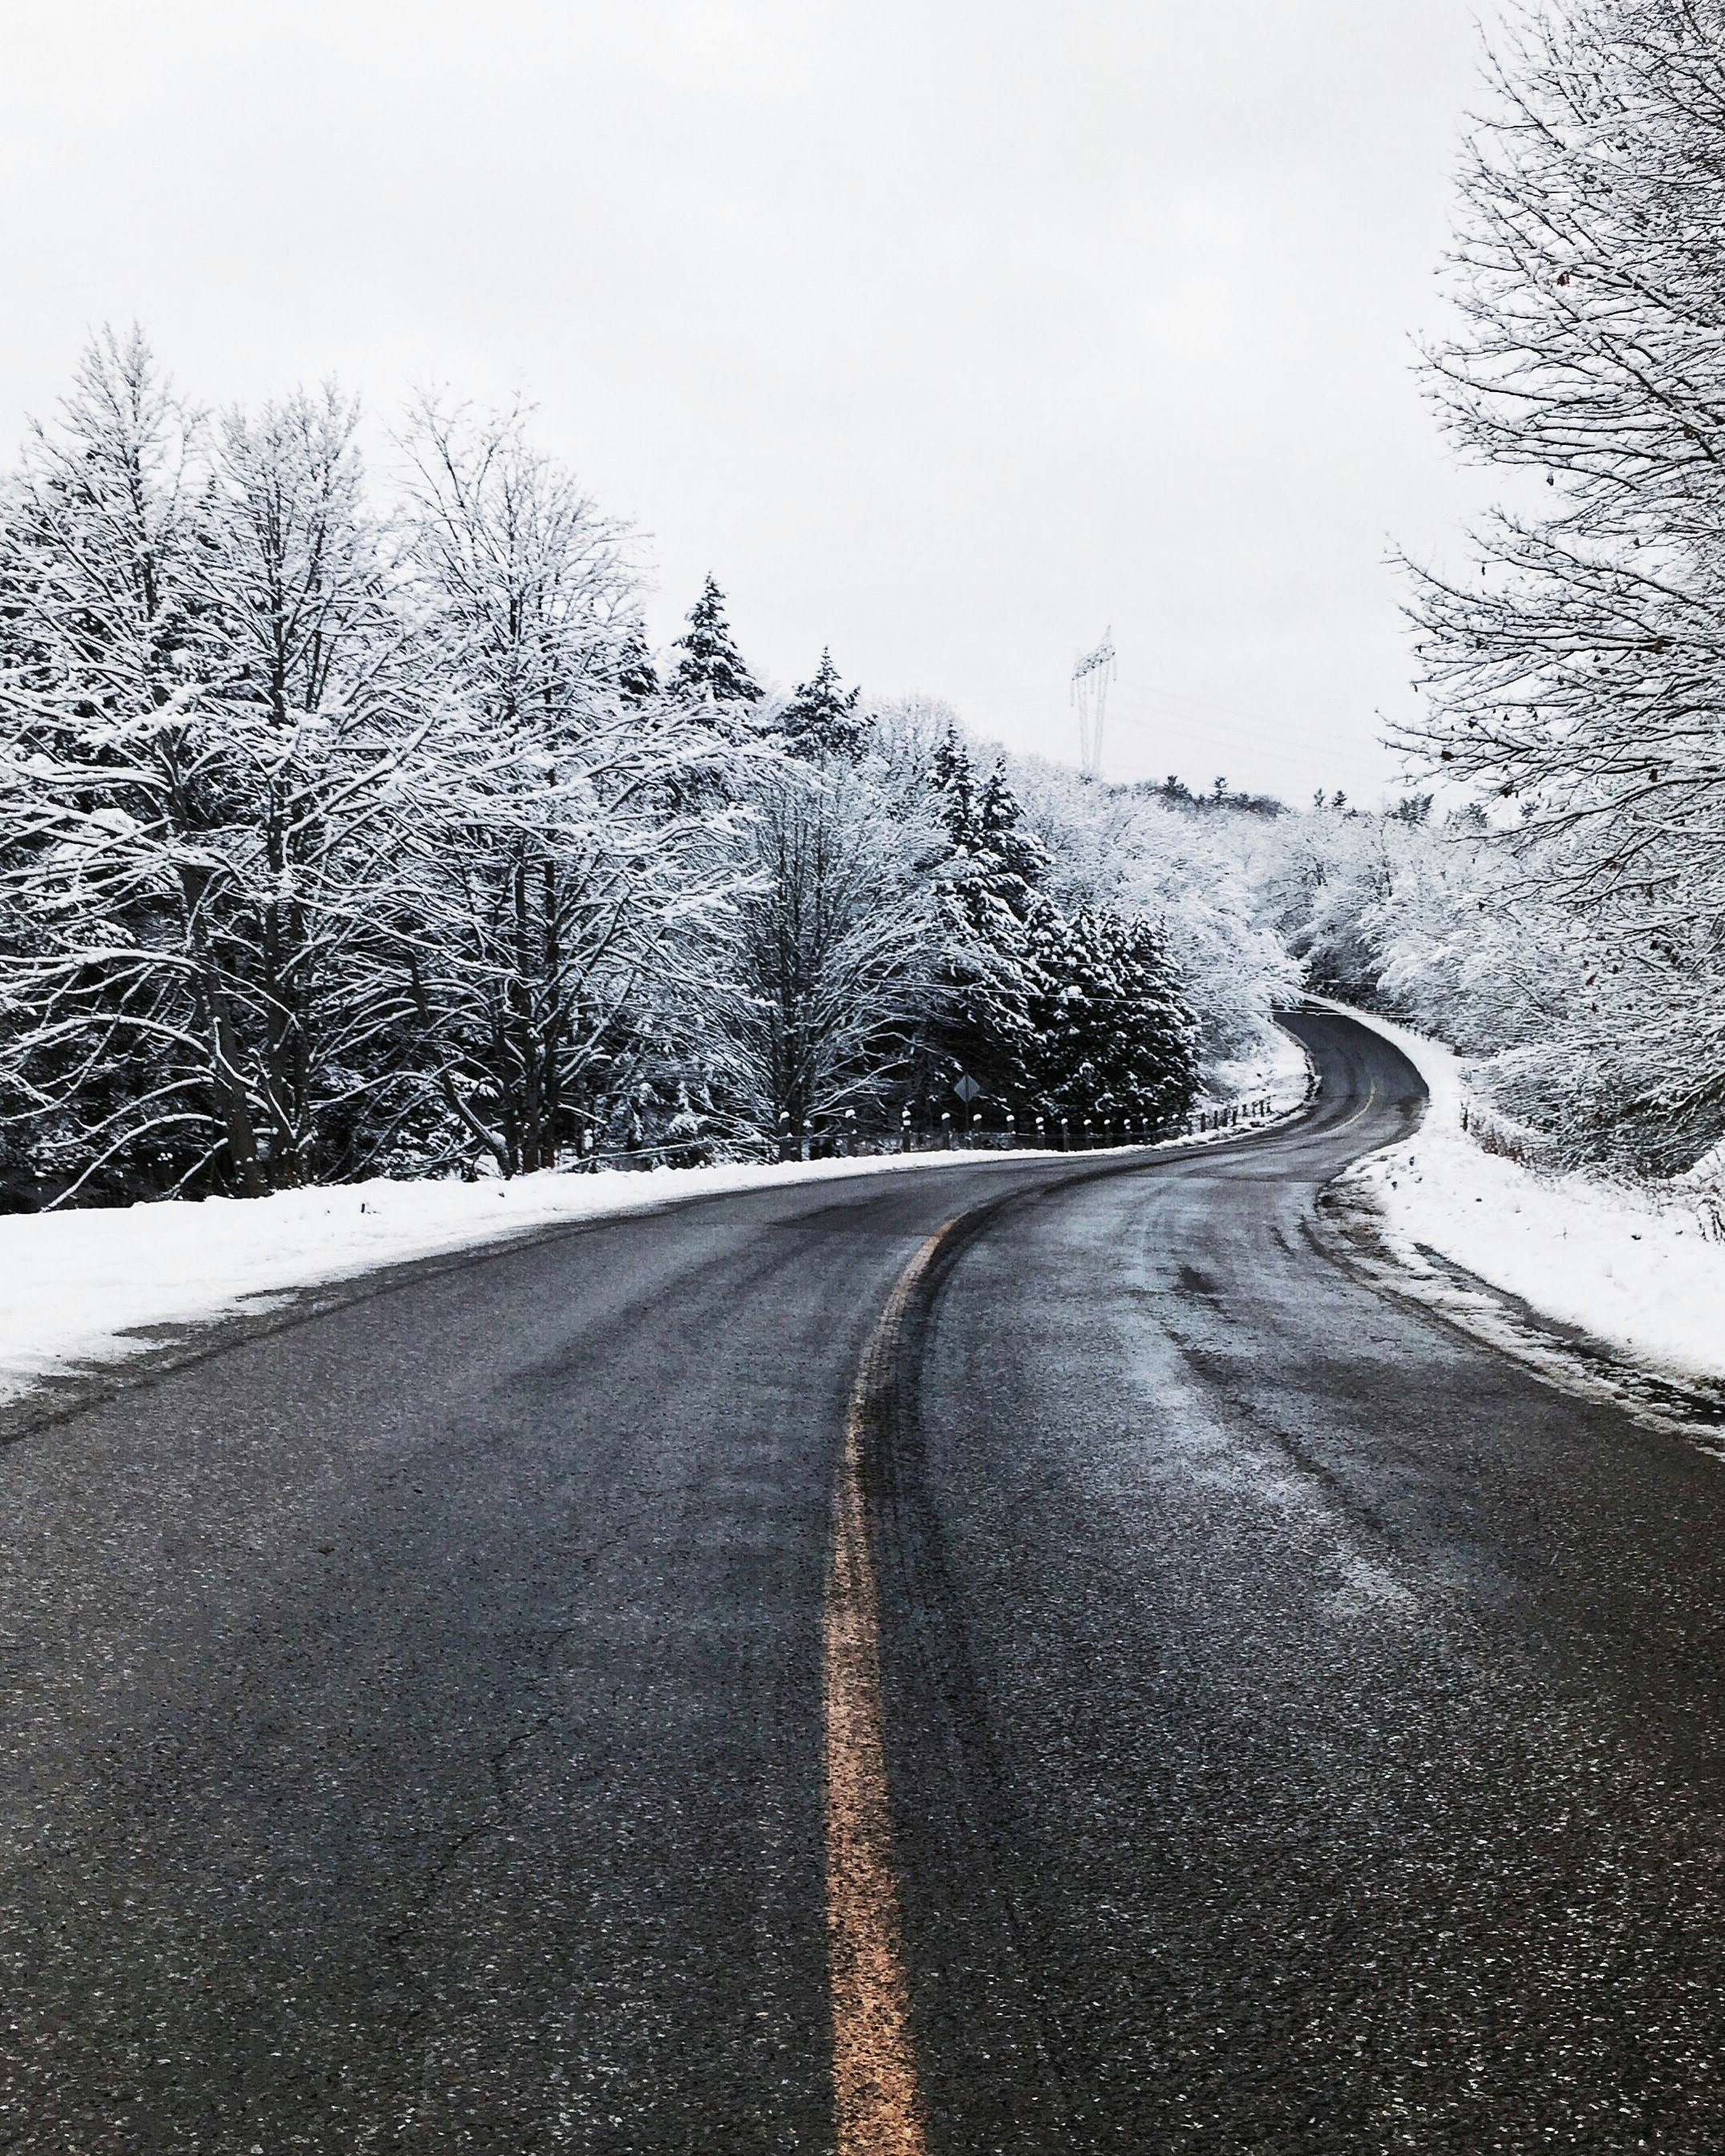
(1302, 1729)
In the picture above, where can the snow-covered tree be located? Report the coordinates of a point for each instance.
(710, 674)
(1198, 878)
(637, 676)
(115, 796)
(322, 700)
(979, 1024)
(1064, 1011)
(333, 839)
(1112, 1032)
(907, 737)
(1439, 924)
(826, 958)
(551, 874)
(823, 718)
(200, 717)
(205, 704)
(1578, 670)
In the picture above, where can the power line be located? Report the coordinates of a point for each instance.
(1150, 711)
(1227, 723)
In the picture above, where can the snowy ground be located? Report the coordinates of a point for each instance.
(1280, 1074)
(1640, 1269)
(78, 1287)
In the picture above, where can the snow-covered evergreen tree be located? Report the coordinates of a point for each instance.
(637, 676)
(823, 718)
(1052, 1013)
(1138, 852)
(1112, 1032)
(979, 1024)
(710, 674)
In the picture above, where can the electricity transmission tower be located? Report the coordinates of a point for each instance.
(1091, 676)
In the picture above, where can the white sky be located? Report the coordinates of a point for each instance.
(946, 333)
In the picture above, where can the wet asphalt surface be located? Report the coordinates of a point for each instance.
(1304, 1727)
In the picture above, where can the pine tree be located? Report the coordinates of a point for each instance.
(711, 670)
(637, 676)
(1062, 1015)
(951, 780)
(995, 865)
(981, 1022)
(1021, 858)
(1113, 1033)
(821, 719)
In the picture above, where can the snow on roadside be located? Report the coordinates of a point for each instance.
(1280, 1074)
(80, 1287)
(77, 1286)
(1640, 1269)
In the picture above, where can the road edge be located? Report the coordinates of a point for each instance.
(1350, 1226)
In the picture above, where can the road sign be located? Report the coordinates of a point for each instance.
(966, 1087)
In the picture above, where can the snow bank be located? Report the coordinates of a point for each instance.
(77, 1286)
(1640, 1269)
(1281, 1074)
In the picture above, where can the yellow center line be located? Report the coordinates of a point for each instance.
(1368, 1103)
(877, 2097)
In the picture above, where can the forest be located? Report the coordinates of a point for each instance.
(1560, 917)
(344, 834)
(348, 824)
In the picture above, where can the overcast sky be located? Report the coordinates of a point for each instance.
(945, 334)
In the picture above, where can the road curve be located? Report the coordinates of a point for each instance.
(1302, 1728)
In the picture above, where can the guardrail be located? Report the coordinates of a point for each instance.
(835, 1141)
